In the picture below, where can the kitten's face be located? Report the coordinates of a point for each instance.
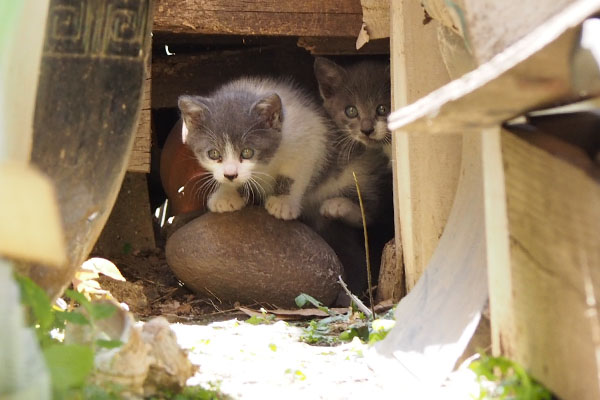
(357, 98)
(233, 134)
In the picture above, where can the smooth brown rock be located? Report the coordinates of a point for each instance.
(250, 256)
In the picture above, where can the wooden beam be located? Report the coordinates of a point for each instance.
(553, 211)
(343, 46)
(265, 17)
(426, 167)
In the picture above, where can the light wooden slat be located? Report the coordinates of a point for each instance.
(426, 167)
(553, 213)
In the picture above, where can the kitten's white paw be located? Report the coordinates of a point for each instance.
(341, 208)
(225, 202)
(283, 207)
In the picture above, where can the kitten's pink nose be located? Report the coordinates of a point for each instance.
(231, 177)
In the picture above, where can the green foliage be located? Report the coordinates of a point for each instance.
(361, 332)
(96, 311)
(304, 299)
(70, 365)
(191, 393)
(264, 319)
(511, 380)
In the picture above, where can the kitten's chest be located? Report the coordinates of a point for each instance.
(338, 182)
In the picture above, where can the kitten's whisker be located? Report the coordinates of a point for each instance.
(260, 189)
(260, 181)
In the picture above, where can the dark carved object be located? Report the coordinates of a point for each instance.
(87, 109)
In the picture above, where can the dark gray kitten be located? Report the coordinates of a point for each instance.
(357, 99)
(256, 136)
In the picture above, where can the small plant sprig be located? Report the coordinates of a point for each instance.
(501, 378)
(353, 324)
(70, 365)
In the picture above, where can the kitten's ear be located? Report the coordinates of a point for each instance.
(193, 111)
(330, 76)
(269, 110)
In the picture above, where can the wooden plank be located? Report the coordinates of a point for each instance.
(201, 73)
(553, 213)
(342, 46)
(129, 227)
(542, 246)
(426, 167)
(265, 17)
(532, 74)
(139, 160)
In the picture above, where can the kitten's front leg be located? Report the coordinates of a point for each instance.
(342, 208)
(283, 204)
(225, 199)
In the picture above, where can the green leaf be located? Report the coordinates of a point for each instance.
(377, 336)
(261, 320)
(38, 302)
(101, 310)
(69, 365)
(72, 317)
(109, 344)
(304, 298)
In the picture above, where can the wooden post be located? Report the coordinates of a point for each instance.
(426, 167)
(546, 315)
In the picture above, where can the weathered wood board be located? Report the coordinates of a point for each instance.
(541, 213)
(426, 167)
(139, 160)
(265, 17)
(553, 211)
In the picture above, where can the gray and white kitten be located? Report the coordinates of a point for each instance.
(357, 99)
(256, 136)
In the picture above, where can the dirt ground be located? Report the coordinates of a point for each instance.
(151, 289)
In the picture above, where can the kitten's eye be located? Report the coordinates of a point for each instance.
(381, 110)
(247, 154)
(214, 155)
(351, 112)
